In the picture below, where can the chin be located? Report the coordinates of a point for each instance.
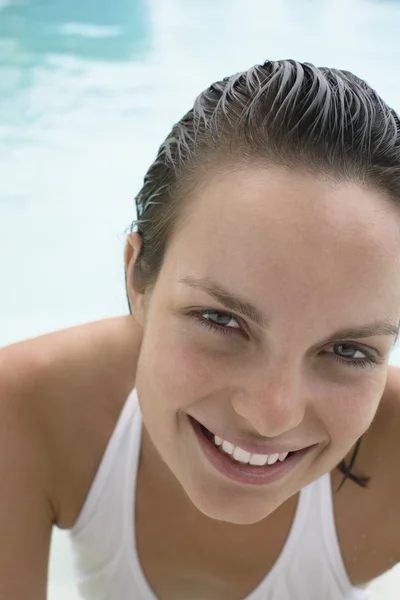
(236, 517)
(239, 508)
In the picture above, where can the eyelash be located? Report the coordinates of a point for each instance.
(198, 316)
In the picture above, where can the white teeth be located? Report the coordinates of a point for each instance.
(245, 457)
(259, 459)
(241, 455)
(228, 447)
(272, 458)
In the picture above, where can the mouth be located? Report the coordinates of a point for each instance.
(240, 455)
(241, 466)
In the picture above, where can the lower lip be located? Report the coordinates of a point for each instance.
(245, 473)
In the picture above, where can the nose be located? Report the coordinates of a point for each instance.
(273, 403)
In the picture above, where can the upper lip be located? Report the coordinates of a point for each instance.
(256, 447)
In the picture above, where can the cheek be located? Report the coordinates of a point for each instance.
(354, 407)
(178, 370)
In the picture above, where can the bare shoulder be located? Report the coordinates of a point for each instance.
(385, 430)
(368, 519)
(380, 460)
(70, 386)
(381, 442)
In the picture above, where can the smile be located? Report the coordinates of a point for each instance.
(241, 466)
(240, 455)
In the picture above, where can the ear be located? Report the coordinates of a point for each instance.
(135, 297)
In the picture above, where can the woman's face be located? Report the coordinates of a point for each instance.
(245, 333)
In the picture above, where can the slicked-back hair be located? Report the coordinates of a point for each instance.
(286, 113)
(323, 121)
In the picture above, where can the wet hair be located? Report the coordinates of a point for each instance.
(323, 121)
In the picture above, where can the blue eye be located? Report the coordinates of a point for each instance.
(366, 359)
(217, 321)
(224, 323)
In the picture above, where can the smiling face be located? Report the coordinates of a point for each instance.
(264, 269)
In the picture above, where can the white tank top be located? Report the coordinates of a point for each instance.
(103, 538)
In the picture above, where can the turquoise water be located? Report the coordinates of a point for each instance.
(88, 90)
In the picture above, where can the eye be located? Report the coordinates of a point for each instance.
(216, 321)
(221, 318)
(344, 353)
(352, 356)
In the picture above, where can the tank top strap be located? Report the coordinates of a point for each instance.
(115, 443)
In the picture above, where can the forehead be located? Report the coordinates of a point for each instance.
(276, 196)
(298, 230)
(293, 206)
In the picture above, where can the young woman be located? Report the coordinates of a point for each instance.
(198, 447)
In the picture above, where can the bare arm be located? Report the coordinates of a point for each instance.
(60, 397)
(26, 513)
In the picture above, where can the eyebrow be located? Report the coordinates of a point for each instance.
(229, 300)
(238, 305)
